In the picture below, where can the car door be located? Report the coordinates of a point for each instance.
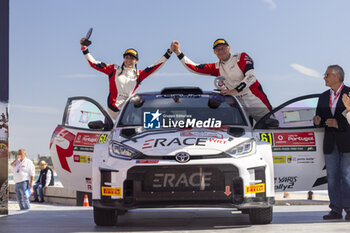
(72, 142)
(297, 145)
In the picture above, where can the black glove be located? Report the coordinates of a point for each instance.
(85, 42)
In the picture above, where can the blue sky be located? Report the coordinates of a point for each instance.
(291, 43)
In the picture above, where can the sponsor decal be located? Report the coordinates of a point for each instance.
(147, 161)
(219, 141)
(180, 96)
(201, 134)
(301, 159)
(164, 180)
(255, 188)
(293, 148)
(151, 120)
(88, 183)
(285, 182)
(103, 138)
(266, 137)
(82, 159)
(77, 158)
(86, 139)
(294, 139)
(111, 191)
(166, 142)
(83, 148)
(194, 123)
(64, 153)
(304, 159)
(279, 159)
(147, 144)
(157, 120)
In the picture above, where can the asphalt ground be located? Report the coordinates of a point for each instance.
(43, 218)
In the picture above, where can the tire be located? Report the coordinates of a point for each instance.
(105, 217)
(245, 211)
(121, 212)
(260, 215)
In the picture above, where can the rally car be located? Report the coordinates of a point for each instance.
(183, 147)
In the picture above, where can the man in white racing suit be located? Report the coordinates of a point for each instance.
(238, 71)
(124, 79)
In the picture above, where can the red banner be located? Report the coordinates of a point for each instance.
(86, 139)
(294, 139)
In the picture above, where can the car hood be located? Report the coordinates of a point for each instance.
(194, 141)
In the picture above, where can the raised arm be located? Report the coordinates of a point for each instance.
(97, 65)
(203, 69)
(154, 67)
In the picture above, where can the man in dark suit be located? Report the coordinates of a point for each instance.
(336, 143)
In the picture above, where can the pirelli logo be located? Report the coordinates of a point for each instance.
(256, 188)
(111, 191)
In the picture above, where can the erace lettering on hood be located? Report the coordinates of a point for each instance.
(164, 142)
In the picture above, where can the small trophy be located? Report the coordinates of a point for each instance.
(219, 83)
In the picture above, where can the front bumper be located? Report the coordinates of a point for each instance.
(174, 186)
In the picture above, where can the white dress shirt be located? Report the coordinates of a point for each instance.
(23, 170)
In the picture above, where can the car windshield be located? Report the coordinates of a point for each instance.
(166, 109)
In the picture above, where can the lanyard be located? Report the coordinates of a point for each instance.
(331, 101)
(19, 166)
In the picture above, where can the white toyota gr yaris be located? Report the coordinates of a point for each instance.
(180, 147)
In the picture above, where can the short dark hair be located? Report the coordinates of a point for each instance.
(337, 69)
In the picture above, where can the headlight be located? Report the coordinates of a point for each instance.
(242, 149)
(122, 151)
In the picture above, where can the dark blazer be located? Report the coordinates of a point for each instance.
(332, 136)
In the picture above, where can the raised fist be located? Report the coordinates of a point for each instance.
(85, 42)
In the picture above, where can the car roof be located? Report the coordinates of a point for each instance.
(179, 91)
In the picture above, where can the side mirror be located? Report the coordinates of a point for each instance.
(128, 133)
(271, 123)
(97, 125)
(236, 131)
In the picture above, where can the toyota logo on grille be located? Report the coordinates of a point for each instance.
(182, 157)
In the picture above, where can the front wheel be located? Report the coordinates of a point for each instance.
(105, 217)
(260, 215)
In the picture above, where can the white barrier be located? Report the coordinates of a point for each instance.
(53, 194)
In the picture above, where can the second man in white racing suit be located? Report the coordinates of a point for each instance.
(238, 71)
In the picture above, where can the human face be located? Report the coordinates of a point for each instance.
(331, 80)
(222, 52)
(129, 61)
(43, 166)
(21, 154)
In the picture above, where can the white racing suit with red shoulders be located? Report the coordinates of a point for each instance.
(238, 72)
(122, 85)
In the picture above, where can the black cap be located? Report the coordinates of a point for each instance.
(219, 42)
(131, 52)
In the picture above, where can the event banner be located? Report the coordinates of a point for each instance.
(4, 98)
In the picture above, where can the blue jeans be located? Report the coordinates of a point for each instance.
(338, 175)
(22, 200)
(41, 191)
